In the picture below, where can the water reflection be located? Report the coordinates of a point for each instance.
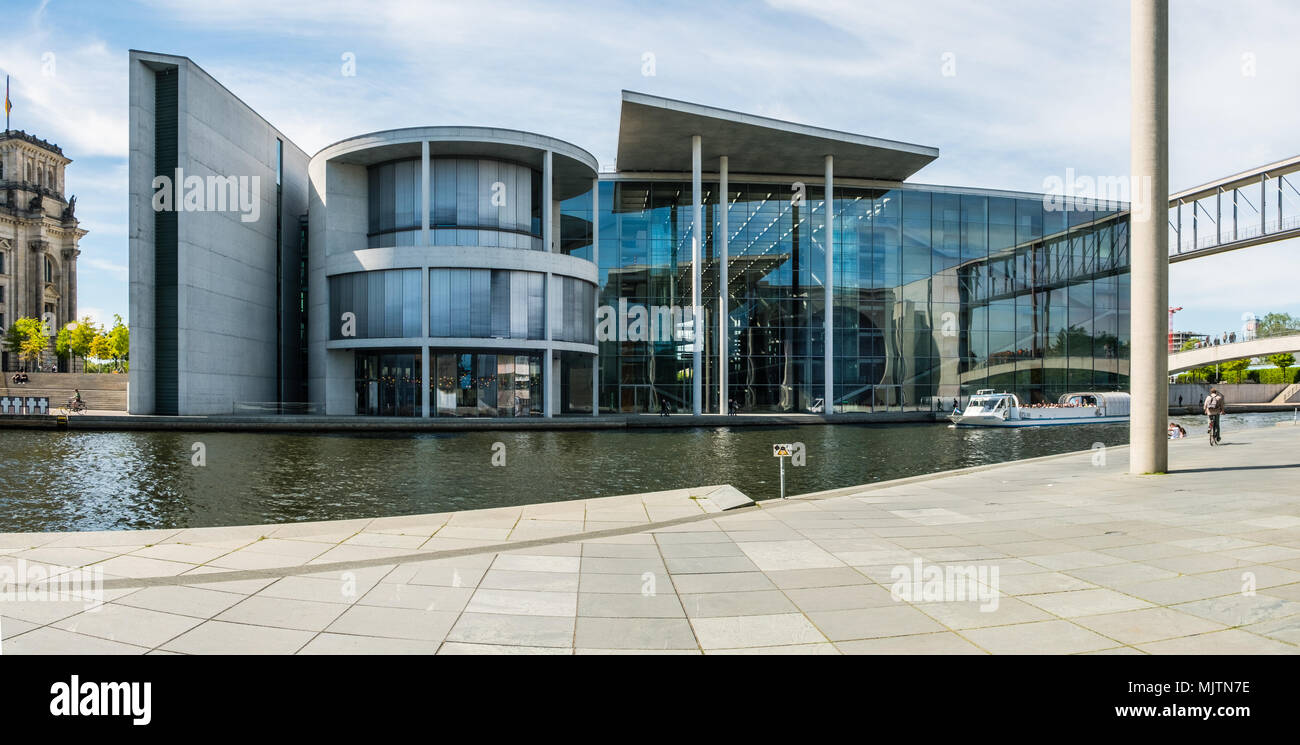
(119, 480)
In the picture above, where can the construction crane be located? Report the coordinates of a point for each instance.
(1172, 311)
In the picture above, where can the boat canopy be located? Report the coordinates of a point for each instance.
(1113, 403)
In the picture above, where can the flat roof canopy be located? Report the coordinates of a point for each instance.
(654, 134)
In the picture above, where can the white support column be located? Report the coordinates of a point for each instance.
(1178, 229)
(1149, 366)
(424, 342)
(424, 379)
(722, 239)
(1218, 215)
(697, 310)
(424, 196)
(1263, 200)
(424, 280)
(548, 376)
(829, 383)
(595, 259)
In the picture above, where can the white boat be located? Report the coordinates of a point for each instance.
(988, 408)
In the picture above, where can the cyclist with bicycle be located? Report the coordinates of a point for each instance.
(1214, 408)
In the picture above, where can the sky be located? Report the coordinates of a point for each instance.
(1014, 94)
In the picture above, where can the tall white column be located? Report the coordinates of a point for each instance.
(424, 196)
(595, 259)
(424, 342)
(697, 309)
(548, 374)
(424, 280)
(722, 239)
(1149, 364)
(424, 380)
(829, 280)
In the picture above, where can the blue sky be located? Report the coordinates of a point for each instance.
(1038, 88)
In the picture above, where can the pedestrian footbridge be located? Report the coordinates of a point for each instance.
(1216, 354)
(1257, 206)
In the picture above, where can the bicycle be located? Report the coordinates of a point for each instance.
(74, 406)
(1216, 435)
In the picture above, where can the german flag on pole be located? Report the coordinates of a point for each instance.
(7, 104)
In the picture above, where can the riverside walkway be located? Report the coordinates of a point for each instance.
(1088, 559)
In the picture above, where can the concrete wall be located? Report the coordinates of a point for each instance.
(140, 238)
(227, 263)
(1233, 393)
(338, 218)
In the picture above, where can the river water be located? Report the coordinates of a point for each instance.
(59, 481)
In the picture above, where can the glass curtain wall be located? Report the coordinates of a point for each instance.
(472, 202)
(493, 384)
(481, 202)
(388, 382)
(937, 293)
(382, 304)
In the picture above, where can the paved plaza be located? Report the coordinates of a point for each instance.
(1070, 554)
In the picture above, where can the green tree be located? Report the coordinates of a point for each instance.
(26, 339)
(76, 338)
(1235, 370)
(1277, 324)
(119, 342)
(1282, 361)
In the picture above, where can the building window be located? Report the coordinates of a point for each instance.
(2, 262)
(2, 295)
(379, 305)
(49, 270)
(486, 303)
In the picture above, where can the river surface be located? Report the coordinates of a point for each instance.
(60, 481)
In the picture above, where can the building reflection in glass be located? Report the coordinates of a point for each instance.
(938, 292)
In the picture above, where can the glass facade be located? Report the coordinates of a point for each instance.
(383, 304)
(472, 202)
(388, 382)
(394, 203)
(487, 303)
(477, 383)
(938, 292)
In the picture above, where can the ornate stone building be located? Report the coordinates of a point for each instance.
(38, 235)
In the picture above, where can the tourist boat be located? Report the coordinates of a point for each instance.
(988, 408)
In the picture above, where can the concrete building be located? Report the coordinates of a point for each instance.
(469, 271)
(38, 236)
(215, 200)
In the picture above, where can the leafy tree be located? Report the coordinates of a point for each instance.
(1282, 361)
(101, 348)
(26, 338)
(1235, 369)
(76, 339)
(119, 342)
(1277, 324)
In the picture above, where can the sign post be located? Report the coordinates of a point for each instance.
(782, 451)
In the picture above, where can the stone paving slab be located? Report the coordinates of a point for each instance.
(1058, 555)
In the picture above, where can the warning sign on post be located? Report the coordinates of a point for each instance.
(782, 451)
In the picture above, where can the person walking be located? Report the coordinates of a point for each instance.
(1214, 408)
(663, 406)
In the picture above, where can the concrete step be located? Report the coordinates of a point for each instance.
(1290, 394)
(95, 399)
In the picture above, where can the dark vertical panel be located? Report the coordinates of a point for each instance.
(166, 352)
